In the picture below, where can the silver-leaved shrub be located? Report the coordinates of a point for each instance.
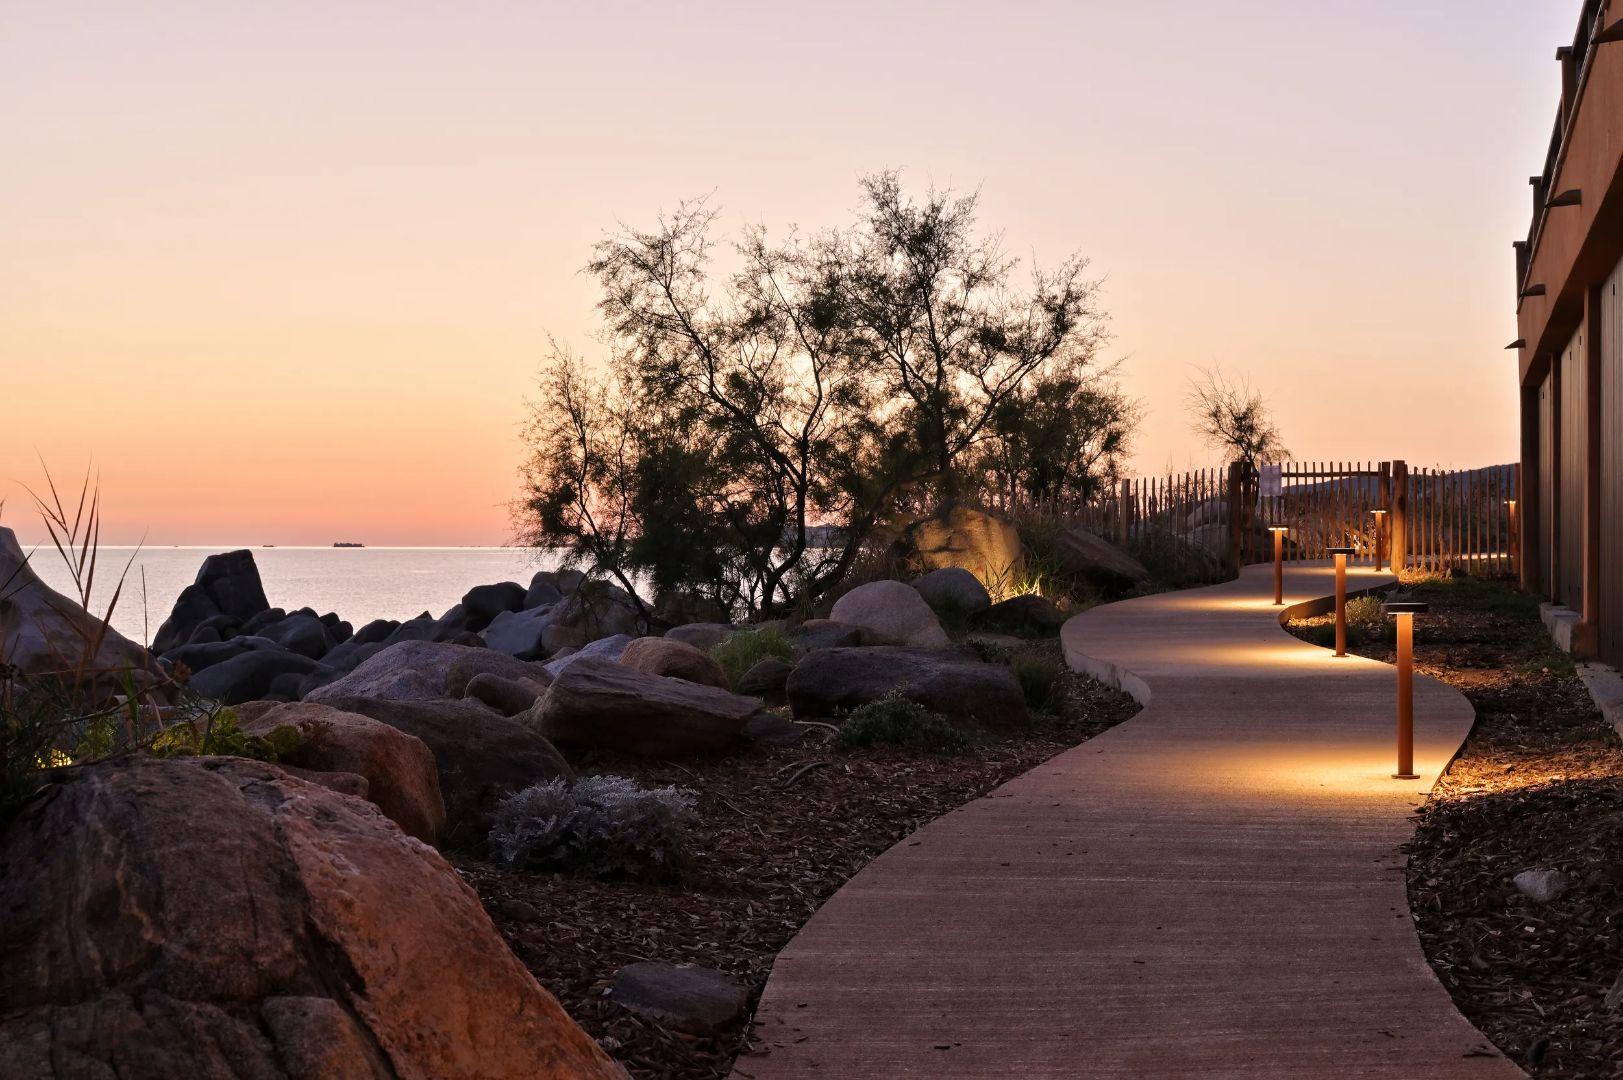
(600, 826)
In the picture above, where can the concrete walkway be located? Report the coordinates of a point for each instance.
(1212, 889)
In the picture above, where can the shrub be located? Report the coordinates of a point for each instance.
(600, 826)
(745, 649)
(1365, 619)
(988, 652)
(894, 720)
(1038, 678)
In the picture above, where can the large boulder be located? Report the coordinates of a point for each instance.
(832, 682)
(678, 607)
(476, 662)
(675, 660)
(1029, 615)
(953, 590)
(300, 632)
(227, 584)
(248, 676)
(376, 631)
(984, 545)
(766, 679)
(603, 704)
(609, 648)
(43, 632)
(251, 924)
(703, 636)
(543, 590)
(816, 634)
(401, 778)
(405, 671)
(350, 655)
(1098, 561)
(895, 613)
(598, 609)
(522, 633)
(199, 655)
(482, 755)
(507, 696)
(482, 603)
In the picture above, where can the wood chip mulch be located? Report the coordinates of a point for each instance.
(767, 853)
(1537, 786)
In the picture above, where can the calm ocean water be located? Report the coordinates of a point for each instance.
(360, 584)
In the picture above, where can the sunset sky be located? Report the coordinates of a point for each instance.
(284, 272)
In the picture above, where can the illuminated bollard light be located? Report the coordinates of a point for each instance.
(1341, 554)
(1514, 540)
(1279, 562)
(1380, 537)
(1405, 612)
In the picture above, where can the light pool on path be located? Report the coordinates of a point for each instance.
(1214, 888)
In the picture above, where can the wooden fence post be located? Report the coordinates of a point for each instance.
(1236, 500)
(1124, 524)
(1398, 552)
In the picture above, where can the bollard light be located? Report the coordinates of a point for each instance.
(1515, 538)
(1341, 554)
(1380, 535)
(1279, 562)
(1405, 612)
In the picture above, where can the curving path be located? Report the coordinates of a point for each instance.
(1212, 889)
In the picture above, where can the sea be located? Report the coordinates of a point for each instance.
(360, 584)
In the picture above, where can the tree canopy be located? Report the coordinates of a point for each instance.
(751, 428)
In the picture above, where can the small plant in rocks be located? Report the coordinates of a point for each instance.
(598, 826)
(894, 720)
(987, 652)
(745, 649)
(1038, 677)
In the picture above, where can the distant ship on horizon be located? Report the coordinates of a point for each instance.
(346, 543)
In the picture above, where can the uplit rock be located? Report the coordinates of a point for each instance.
(984, 545)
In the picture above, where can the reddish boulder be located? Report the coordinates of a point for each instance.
(482, 755)
(401, 777)
(674, 660)
(216, 917)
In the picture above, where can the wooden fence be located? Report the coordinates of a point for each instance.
(1207, 522)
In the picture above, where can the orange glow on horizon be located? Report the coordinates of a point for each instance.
(285, 274)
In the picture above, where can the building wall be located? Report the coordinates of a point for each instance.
(1570, 359)
(1569, 467)
(1610, 629)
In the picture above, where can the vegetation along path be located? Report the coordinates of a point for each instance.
(1213, 888)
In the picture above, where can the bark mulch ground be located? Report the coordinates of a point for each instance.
(774, 841)
(1537, 786)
